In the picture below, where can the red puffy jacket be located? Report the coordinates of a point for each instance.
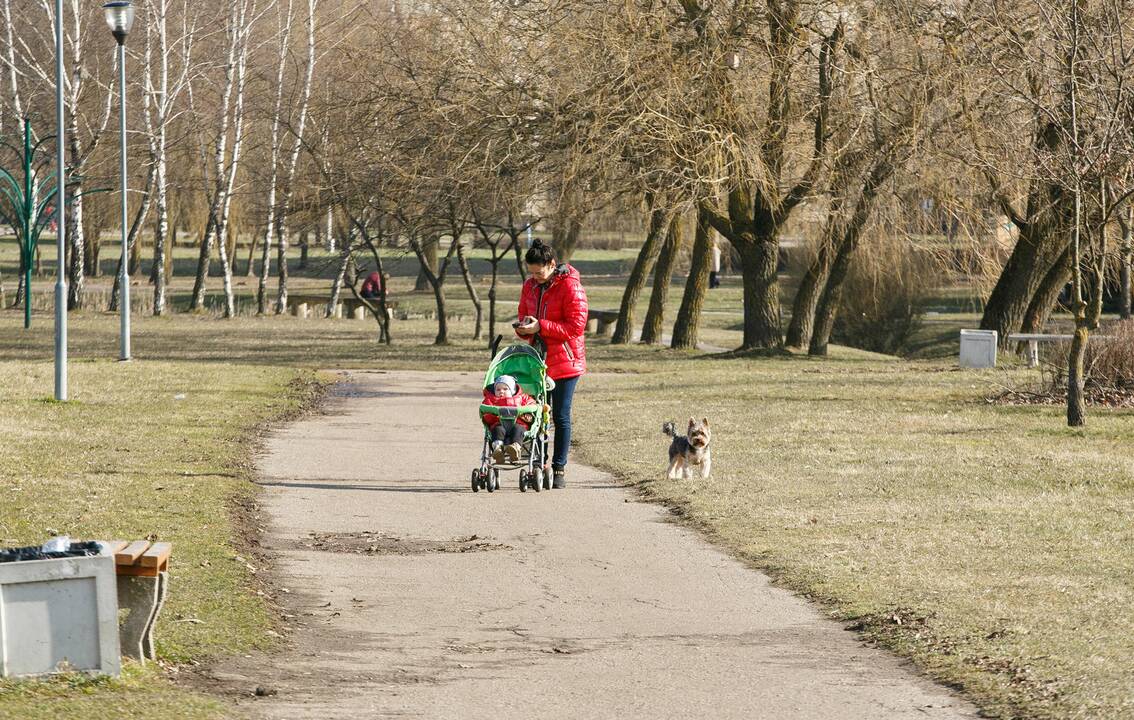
(561, 308)
(520, 399)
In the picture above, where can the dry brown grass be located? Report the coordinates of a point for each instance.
(991, 544)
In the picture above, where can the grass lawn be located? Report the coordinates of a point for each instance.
(126, 459)
(991, 544)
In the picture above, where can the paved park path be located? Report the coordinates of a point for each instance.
(413, 597)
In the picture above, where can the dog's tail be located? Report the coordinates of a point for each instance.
(669, 429)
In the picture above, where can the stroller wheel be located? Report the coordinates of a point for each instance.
(546, 480)
(537, 479)
(476, 480)
(523, 481)
(495, 479)
(488, 483)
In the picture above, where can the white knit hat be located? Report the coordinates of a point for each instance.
(506, 380)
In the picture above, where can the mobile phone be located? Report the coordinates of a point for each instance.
(517, 324)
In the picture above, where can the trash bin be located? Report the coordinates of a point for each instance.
(59, 605)
(978, 348)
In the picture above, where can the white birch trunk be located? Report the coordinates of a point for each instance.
(214, 185)
(247, 22)
(293, 162)
(284, 30)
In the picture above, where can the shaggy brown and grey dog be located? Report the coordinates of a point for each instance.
(689, 449)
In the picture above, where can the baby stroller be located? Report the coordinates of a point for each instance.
(525, 363)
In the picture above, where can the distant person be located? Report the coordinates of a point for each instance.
(553, 308)
(372, 286)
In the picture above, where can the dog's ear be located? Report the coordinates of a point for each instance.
(705, 422)
(692, 422)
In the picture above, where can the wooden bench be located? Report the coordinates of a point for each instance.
(601, 322)
(143, 583)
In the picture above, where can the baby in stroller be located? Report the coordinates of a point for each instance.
(507, 438)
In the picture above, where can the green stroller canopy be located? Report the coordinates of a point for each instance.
(523, 363)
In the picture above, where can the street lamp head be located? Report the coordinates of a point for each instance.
(120, 17)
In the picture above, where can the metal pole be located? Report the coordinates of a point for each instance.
(124, 281)
(60, 215)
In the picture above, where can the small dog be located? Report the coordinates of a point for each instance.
(690, 449)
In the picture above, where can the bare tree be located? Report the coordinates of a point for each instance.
(663, 271)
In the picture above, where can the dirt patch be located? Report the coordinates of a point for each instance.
(378, 543)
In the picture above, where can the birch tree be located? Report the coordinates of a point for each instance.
(167, 67)
(284, 17)
(288, 178)
(220, 171)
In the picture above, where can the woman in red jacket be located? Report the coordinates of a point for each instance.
(553, 307)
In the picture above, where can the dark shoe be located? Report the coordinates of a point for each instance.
(560, 478)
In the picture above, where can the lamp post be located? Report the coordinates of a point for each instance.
(60, 216)
(120, 17)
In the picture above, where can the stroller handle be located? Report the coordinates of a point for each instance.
(509, 412)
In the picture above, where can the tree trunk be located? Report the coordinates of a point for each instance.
(759, 257)
(161, 233)
(133, 240)
(226, 274)
(492, 293)
(1031, 260)
(831, 298)
(839, 243)
(250, 268)
(1126, 219)
(688, 322)
(135, 259)
(337, 285)
(281, 270)
(463, 262)
(75, 246)
(1046, 297)
(303, 243)
(92, 246)
(430, 250)
(570, 239)
(663, 274)
(1076, 402)
(1124, 283)
(293, 160)
(197, 299)
(810, 291)
(647, 256)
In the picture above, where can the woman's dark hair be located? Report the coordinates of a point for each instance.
(539, 254)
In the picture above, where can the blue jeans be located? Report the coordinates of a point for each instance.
(561, 398)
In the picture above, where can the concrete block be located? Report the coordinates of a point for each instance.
(142, 597)
(978, 348)
(360, 313)
(59, 613)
